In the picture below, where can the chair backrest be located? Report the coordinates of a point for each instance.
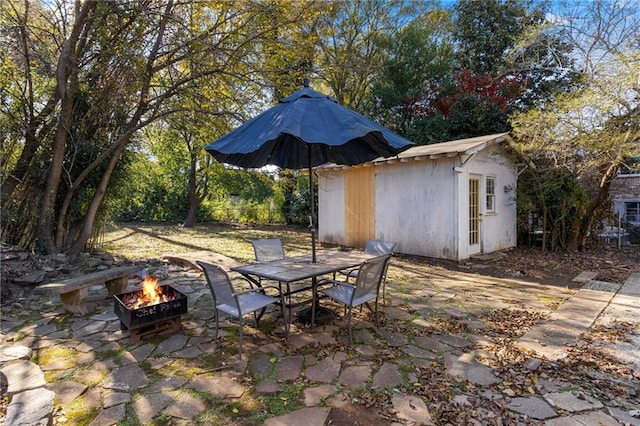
(379, 247)
(268, 250)
(219, 284)
(370, 275)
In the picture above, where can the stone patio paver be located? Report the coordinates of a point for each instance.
(412, 409)
(431, 343)
(574, 317)
(110, 416)
(260, 365)
(415, 352)
(268, 387)
(221, 386)
(313, 396)
(355, 376)
(67, 390)
(325, 371)
(467, 367)
(572, 401)
(30, 407)
(533, 407)
(623, 416)
(172, 344)
(112, 398)
(185, 406)
(14, 352)
(587, 419)
(127, 378)
(311, 416)
(387, 377)
(22, 376)
(289, 368)
(149, 405)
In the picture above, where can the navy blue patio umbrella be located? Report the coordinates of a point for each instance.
(305, 130)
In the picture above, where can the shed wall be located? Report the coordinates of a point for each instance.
(331, 207)
(415, 205)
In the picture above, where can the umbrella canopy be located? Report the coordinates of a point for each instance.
(305, 130)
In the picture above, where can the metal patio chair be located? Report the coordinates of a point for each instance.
(377, 248)
(238, 304)
(272, 249)
(268, 250)
(365, 289)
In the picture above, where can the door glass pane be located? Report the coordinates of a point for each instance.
(474, 211)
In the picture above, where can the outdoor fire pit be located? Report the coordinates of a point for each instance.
(151, 311)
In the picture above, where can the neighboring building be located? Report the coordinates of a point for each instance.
(449, 200)
(625, 195)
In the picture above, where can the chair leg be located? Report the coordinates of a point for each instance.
(375, 314)
(288, 307)
(285, 317)
(349, 325)
(384, 290)
(217, 316)
(240, 340)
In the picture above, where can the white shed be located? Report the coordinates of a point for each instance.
(448, 200)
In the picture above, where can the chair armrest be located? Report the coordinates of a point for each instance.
(326, 281)
(349, 273)
(258, 289)
(242, 279)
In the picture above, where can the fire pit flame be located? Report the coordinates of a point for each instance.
(151, 295)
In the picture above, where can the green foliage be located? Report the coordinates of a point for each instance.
(485, 30)
(555, 197)
(157, 191)
(232, 209)
(150, 193)
(295, 188)
(416, 57)
(432, 129)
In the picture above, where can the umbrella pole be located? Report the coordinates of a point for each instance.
(312, 229)
(312, 219)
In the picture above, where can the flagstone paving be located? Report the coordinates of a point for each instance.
(52, 361)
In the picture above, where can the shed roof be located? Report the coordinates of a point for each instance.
(452, 148)
(468, 146)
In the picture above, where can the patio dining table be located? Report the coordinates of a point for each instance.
(297, 269)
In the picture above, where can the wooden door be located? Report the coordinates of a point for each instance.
(360, 201)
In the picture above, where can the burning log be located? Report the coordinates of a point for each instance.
(151, 295)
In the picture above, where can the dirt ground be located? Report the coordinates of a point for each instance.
(552, 268)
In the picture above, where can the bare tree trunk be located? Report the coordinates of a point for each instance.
(194, 200)
(66, 88)
(64, 207)
(47, 213)
(90, 216)
(574, 236)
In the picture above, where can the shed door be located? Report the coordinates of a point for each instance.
(360, 202)
(474, 215)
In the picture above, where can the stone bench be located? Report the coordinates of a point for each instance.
(74, 292)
